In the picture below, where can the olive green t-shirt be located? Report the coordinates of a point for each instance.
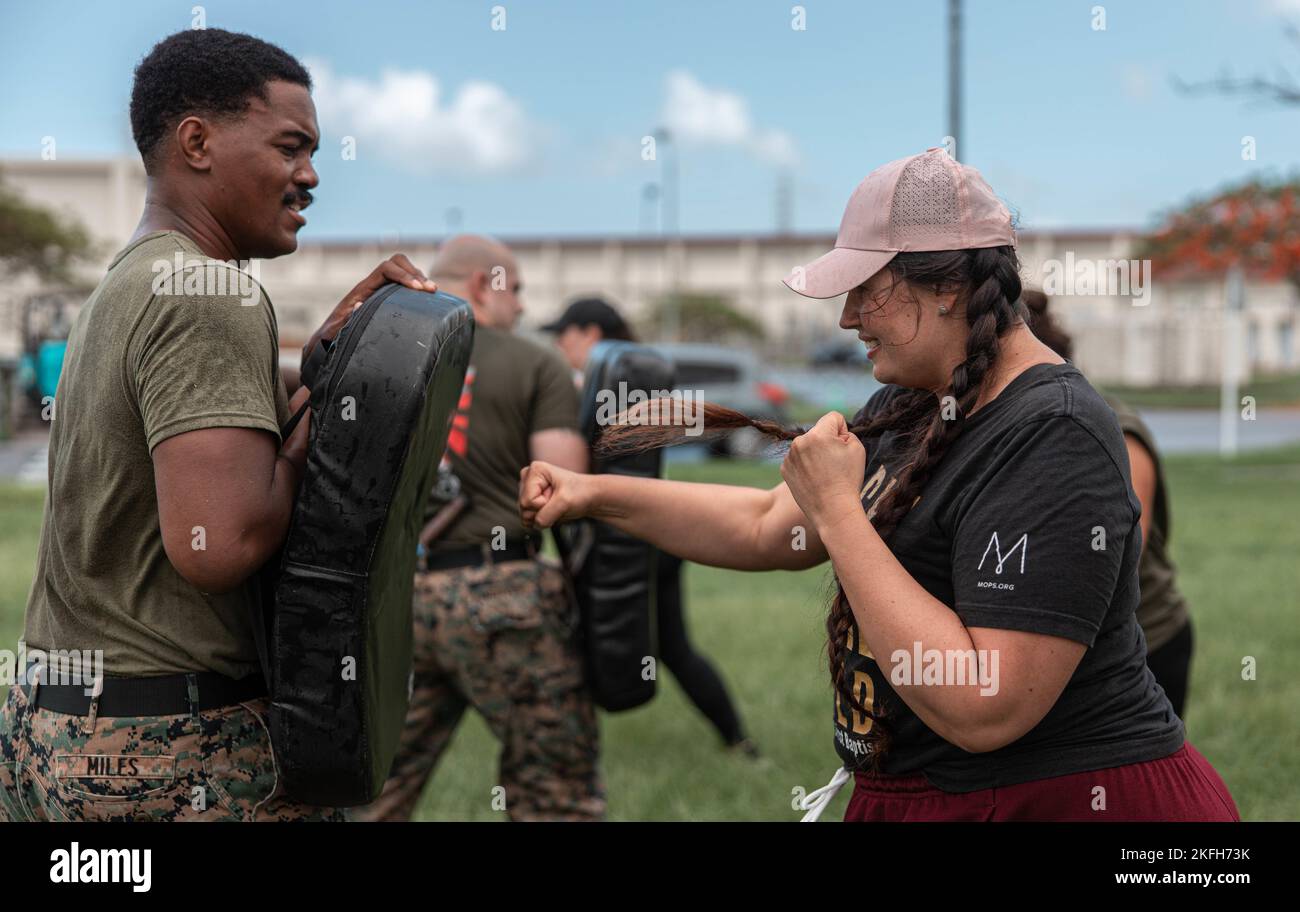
(148, 359)
(513, 389)
(1162, 611)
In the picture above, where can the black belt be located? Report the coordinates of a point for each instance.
(476, 555)
(167, 695)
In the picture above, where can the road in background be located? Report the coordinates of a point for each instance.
(23, 459)
(1175, 430)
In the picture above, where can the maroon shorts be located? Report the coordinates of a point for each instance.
(1180, 787)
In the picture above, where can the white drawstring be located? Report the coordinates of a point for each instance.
(815, 802)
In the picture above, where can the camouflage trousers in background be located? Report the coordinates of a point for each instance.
(500, 638)
(217, 765)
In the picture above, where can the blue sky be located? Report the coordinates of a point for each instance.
(536, 129)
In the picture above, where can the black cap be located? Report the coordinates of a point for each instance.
(589, 311)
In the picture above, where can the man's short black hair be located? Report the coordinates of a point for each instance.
(203, 71)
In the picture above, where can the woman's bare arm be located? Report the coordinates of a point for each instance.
(720, 525)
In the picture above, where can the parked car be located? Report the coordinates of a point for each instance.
(840, 353)
(732, 378)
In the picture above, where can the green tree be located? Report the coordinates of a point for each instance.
(704, 318)
(34, 239)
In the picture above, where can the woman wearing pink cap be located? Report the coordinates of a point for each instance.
(980, 519)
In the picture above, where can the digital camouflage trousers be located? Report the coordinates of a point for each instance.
(215, 765)
(500, 638)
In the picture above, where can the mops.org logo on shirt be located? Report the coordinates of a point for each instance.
(1002, 561)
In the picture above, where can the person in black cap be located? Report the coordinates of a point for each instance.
(584, 323)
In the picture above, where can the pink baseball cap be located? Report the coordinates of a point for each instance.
(922, 202)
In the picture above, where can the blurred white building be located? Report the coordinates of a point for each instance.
(1174, 338)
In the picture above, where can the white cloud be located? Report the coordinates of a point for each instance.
(406, 117)
(696, 113)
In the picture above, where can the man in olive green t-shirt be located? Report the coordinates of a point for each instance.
(169, 484)
(142, 368)
(493, 628)
(518, 400)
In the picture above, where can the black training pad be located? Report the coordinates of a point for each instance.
(614, 573)
(382, 403)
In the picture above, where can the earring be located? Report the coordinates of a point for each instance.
(943, 310)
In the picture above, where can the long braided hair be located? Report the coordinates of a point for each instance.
(986, 285)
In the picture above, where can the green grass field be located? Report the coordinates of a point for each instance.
(1236, 538)
(1268, 390)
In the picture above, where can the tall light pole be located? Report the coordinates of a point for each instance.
(954, 75)
(649, 208)
(665, 147)
(784, 201)
(668, 179)
(454, 218)
(1234, 294)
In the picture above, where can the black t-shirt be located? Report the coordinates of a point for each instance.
(1029, 523)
